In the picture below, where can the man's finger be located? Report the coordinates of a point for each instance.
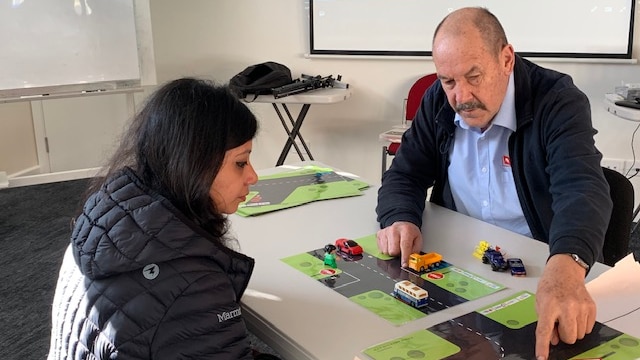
(581, 326)
(555, 338)
(417, 244)
(544, 332)
(568, 330)
(382, 243)
(591, 321)
(406, 249)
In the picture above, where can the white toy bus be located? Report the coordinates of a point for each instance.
(410, 293)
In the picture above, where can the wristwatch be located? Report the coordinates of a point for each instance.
(580, 262)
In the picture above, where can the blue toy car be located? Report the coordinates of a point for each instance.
(495, 259)
(517, 267)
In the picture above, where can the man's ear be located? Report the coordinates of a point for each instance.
(507, 59)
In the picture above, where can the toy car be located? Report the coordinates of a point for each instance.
(424, 261)
(410, 293)
(495, 258)
(348, 246)
(517, 267)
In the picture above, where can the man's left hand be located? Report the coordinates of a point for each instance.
(566, 311)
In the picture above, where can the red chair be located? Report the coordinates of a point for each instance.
(412, 103)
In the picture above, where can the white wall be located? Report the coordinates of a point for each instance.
(17, 142)
(219, 38)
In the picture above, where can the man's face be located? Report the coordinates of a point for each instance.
(474, 79)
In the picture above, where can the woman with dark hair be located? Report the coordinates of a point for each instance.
(150, 272)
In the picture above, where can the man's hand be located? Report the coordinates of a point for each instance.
(566, 311)
(401, 238)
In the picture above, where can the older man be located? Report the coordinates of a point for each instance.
(506, 141)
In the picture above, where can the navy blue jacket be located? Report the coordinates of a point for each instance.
(556, 166)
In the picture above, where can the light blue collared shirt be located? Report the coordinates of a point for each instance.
(480, 170)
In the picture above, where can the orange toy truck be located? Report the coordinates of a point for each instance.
(424, 261)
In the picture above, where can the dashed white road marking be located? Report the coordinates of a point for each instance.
(480, 335)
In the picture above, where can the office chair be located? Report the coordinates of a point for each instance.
(412, 103)
(618, 235)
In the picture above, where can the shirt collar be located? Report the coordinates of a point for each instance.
(506, 116)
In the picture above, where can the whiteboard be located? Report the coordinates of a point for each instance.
(74, 46)
(542, 28)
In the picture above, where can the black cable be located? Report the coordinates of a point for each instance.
(622, 315)
(633, 152)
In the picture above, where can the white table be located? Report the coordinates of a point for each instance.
(306, 99)
(624, 112)
(294, 311)
(394, 134)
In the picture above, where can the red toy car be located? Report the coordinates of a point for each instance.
(348, 246)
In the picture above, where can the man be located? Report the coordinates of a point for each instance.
(506, 141)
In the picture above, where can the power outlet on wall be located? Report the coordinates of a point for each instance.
(619, 165)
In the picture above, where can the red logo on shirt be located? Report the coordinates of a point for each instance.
(506, 161)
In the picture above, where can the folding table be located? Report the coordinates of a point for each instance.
(317, 96)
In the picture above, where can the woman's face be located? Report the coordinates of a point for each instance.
(231, 186)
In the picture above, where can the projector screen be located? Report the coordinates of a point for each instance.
(543, 28)
(59, 46)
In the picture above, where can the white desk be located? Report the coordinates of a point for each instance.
(624, 112)
(310, 321)
(394, 134)
(318, 96)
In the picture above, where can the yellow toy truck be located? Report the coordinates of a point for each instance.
(424, 261)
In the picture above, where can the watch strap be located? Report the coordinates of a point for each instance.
(580, 262)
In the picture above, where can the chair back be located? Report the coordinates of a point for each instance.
(410, 107)
(416, 92)
(616, 240)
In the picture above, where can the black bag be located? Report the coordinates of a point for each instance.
(260, 79)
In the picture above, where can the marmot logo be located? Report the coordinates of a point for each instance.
(229, 315)
(151, 271)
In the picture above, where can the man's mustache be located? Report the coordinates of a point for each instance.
(470, 106)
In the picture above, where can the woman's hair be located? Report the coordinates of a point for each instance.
(176, 145)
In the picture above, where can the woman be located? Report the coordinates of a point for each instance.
(150, 272)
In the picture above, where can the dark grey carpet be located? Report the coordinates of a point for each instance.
(34, 232)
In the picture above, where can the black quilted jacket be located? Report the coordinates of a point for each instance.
(139, 281)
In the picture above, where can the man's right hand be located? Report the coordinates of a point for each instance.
(401, 238)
